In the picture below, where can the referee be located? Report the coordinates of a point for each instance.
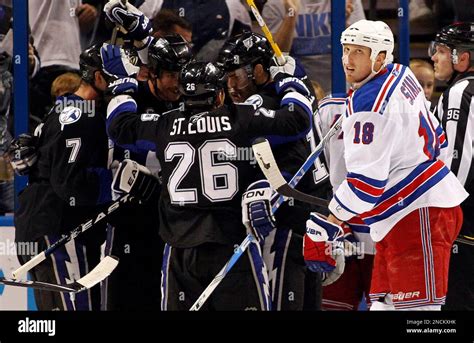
(452, 52)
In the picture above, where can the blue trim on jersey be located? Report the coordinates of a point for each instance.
(128, 106)
(373, 182)
(278, 140)
(405, 202)
(332, 103)
(140, 147)
(105, 181)
(364, 98)
(363, 195)
(307, 109)
(393, 87)
(439, 133)
(359, 228)
(342, 205)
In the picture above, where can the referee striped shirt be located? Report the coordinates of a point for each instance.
(455, 110)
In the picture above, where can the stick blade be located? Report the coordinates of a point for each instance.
(266, 161)
(99, 273)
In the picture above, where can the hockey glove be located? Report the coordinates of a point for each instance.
(257, 211)
(22, 153)
(134, 179)
(116, 64)
(288, 69)
(322, 242)
(137, 25)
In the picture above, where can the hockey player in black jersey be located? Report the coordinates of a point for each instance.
(247, 59)
(68, 184)
(204, 154)
(166, 57)
(452, 52)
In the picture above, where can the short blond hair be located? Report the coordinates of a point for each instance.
(65, 83)
(417, 63)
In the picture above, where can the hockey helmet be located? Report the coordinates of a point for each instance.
(458, 37)
(200, 84)
(375, 35)
(170, 53)
(90, 62)
(245, 49)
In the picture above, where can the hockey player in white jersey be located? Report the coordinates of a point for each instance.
(395, 182)
(346, 292)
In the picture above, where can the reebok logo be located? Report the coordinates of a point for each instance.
(37, 326)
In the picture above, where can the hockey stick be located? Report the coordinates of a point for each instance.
(269, 167)
(222, 273)
(21, 271)
(278, 198)
(279, 56)
(96, 275)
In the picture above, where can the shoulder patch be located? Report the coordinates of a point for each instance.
(255, 99)
(69, 115)
(150, 117)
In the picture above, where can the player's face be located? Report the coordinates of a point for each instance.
(356, 62)
(443, 66)
(167, 86)
(240, 86)
(426, 78)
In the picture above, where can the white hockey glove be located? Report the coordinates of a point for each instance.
(135, 179)
(257, 210)
(116, 63)
(22, 153)
(323, 248)
(137, 25)
(287, 69)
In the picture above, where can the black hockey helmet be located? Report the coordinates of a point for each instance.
(458, 37)
(170, 53)
(200, 84)
(90, 62)
(245, 49)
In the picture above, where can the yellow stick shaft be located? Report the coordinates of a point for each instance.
(266, 32)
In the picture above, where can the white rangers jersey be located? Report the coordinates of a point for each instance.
(330, 109)
(391, 143)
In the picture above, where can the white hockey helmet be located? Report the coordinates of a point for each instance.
(375, 35)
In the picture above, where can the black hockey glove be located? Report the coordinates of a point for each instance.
(135, 179)
(22, 153)
(137, 25)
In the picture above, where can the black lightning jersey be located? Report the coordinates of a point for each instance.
(70, 179)
(206, 160)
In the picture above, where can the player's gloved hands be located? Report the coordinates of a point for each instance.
(282, 71)
(257, 210)
(135, 179)
(323, 247)
(137, 25)
(116, 63)
(22, 153)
